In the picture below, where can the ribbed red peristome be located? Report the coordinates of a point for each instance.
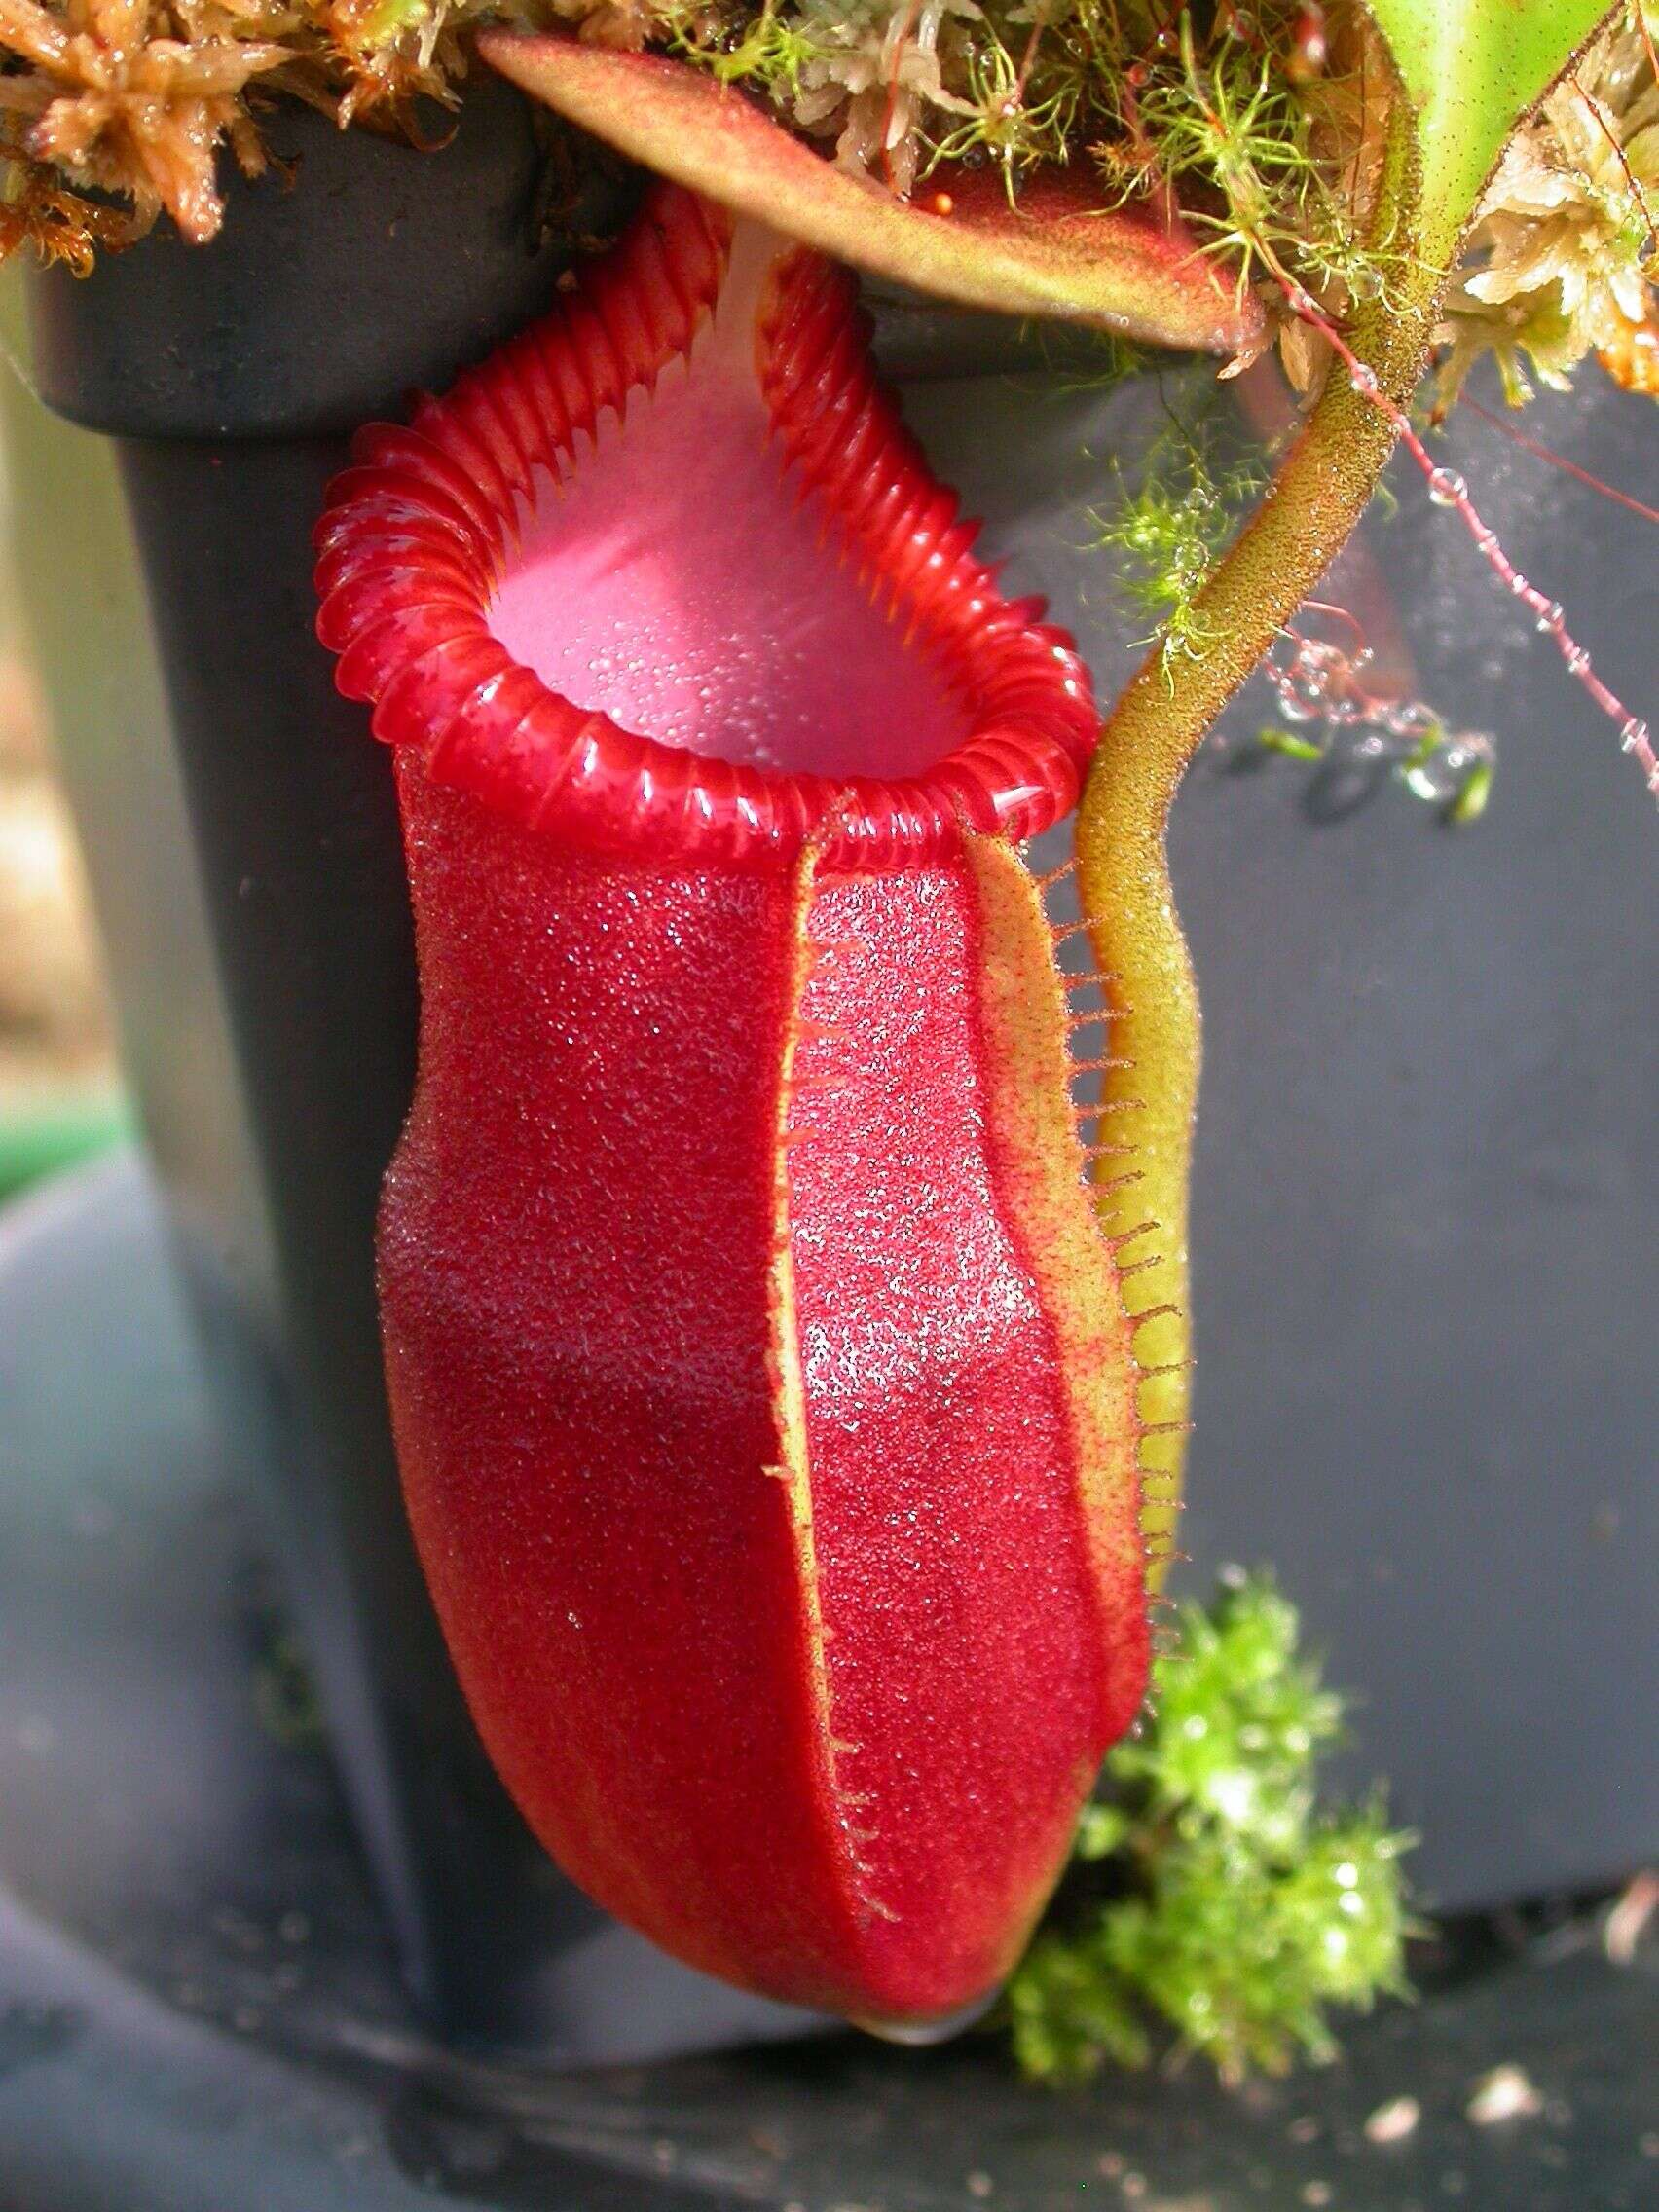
(416, 532)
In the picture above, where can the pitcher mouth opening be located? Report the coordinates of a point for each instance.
(667, 576)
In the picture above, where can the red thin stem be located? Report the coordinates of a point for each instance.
(1559, 461)
(1646, 38)
(1356, 629)
(1619, 155)
(908, 25)
(1448, 489)
(1028, 60)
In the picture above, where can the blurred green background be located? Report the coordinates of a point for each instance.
(60, 1097)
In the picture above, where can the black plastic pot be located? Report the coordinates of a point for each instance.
(228, 378)
(1426, 1205)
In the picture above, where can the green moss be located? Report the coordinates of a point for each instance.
(919, 81)
(1214, 1899)
(1170, 526)
(1229, 129)
(1262, 125)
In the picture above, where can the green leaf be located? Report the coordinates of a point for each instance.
(1470, 803)
(1059, 253)
(1473, 70)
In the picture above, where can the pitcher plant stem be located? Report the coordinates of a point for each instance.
(1311, 508)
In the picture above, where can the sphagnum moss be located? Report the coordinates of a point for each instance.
(1263, 124)
(1223, 1910)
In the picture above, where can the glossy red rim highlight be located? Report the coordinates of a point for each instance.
(416, 535)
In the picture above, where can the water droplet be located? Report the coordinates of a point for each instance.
(1551, 615)
(1412, 718)
(1433, 780)
(1363, 378)
(1472, 745)
(1456, 775)
(1633, 734)
(1577, 661)
(1446, 488)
